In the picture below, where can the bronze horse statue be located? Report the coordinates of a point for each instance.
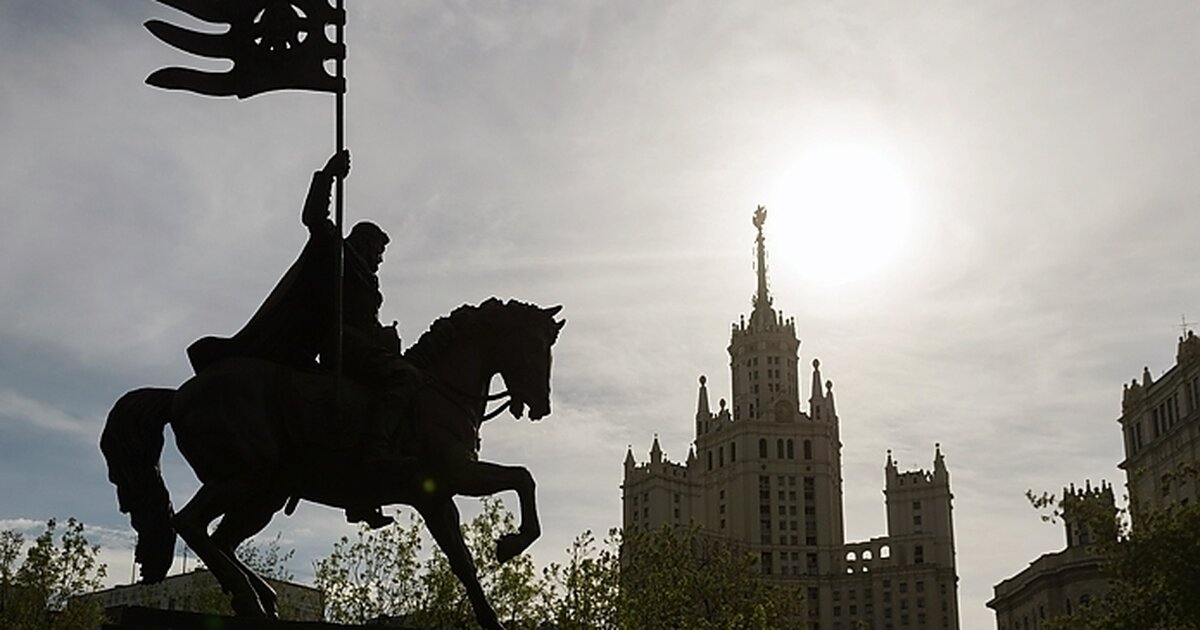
(258, 433)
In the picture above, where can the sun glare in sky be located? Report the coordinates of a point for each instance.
(840, 214)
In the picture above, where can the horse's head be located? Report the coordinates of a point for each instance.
(523, 356)
(511, 338)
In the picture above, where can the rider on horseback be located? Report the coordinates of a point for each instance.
(296, 322)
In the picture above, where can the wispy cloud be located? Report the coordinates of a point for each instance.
(16, 407)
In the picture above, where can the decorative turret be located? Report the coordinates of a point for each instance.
(629, 462)
(1189, 348)
(656, 454)
(702, 403)
(820, 403)
(816, 397)
(1083, 509)
(703, 415)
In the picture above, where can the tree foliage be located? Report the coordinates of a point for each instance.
(668, 578)
(380, 573)
(584, 592)
(39, 592)
(680, 578)
(372, 574)
(513, 588)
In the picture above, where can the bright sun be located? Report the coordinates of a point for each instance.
(840, 214)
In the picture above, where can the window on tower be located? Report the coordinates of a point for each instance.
(807, 449)
(762, 448)
(791, 449)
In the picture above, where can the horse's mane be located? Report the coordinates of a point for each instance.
(464, 322)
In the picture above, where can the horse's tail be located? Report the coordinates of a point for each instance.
(132, 444)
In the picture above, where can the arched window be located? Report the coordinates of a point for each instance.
(866, 554)
(885, 551)
(720, 456)
(779, 449)
(762, 448)
(791, 449)
(851, 557)
(710, 460)
(807, 449)
(732, 452)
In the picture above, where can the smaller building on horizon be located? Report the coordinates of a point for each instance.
(197, 591)
(1058, 583)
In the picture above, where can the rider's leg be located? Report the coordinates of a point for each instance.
(393, 380)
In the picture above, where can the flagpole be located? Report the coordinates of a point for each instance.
(339, 203)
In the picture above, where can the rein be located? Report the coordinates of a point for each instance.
(452, 394)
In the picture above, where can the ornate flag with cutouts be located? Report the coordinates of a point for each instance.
(273, 44)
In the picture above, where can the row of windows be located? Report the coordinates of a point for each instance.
(771, 360)
(1163, 416)
(784, 449)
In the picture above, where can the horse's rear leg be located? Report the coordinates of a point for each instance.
(191, 522)
(238, 525)
(479, 479)
(442, 521)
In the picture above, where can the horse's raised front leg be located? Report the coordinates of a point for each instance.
(442, 521)
(191, 522)
(479, 479)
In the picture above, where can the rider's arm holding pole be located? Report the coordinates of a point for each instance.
(316, 206)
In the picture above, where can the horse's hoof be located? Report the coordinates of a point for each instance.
(510, 546)
(489, 621)
(248, 607)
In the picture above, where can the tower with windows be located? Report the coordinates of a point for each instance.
(765, 474)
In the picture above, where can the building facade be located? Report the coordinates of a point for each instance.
(1160, 423)
(1160, 427)
(766, 475)
(198, 591)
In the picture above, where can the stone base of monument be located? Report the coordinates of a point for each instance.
(140, 618)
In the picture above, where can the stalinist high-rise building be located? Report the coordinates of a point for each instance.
(765, 475)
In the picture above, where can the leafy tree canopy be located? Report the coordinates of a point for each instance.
(38, 592)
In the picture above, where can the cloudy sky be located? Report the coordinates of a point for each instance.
(980, 216)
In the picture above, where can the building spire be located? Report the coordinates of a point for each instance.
(702, 409)
(816, 394)
(762, 298)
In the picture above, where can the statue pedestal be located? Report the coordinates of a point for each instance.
(140, 618)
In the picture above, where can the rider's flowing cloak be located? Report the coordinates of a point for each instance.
(297, 316)
(289, 326)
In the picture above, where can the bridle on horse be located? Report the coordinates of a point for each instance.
(455, 396)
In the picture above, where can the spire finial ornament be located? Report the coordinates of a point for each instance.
(762, 299)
